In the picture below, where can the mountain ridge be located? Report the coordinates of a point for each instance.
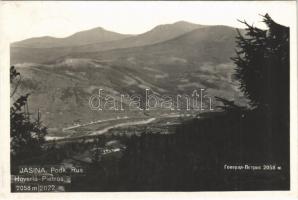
(45, 55)
(97, 34)
(190, 40)
(178, 25)
(198, 58)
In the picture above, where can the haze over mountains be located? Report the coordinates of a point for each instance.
(169, 59)
(47, 49)
(80, 38)
(99, 34)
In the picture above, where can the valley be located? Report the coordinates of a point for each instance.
(170, 59)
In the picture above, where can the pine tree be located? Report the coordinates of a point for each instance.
(263, 66)
(26, 135)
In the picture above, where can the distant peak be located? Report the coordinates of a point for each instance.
(182, 22)
(179, 23)
(97, 28)
(92, 29)
(185, 23)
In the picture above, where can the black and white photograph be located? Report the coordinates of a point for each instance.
(150, 96)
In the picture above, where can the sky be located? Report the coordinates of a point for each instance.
(22, 20)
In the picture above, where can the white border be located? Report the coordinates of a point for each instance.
(4, 151)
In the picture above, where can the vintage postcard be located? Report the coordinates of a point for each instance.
(165, 99)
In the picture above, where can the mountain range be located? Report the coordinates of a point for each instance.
(45, 49)
(62, 73)
(94, 35)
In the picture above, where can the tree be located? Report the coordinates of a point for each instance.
(262, 62)
(27, 135)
